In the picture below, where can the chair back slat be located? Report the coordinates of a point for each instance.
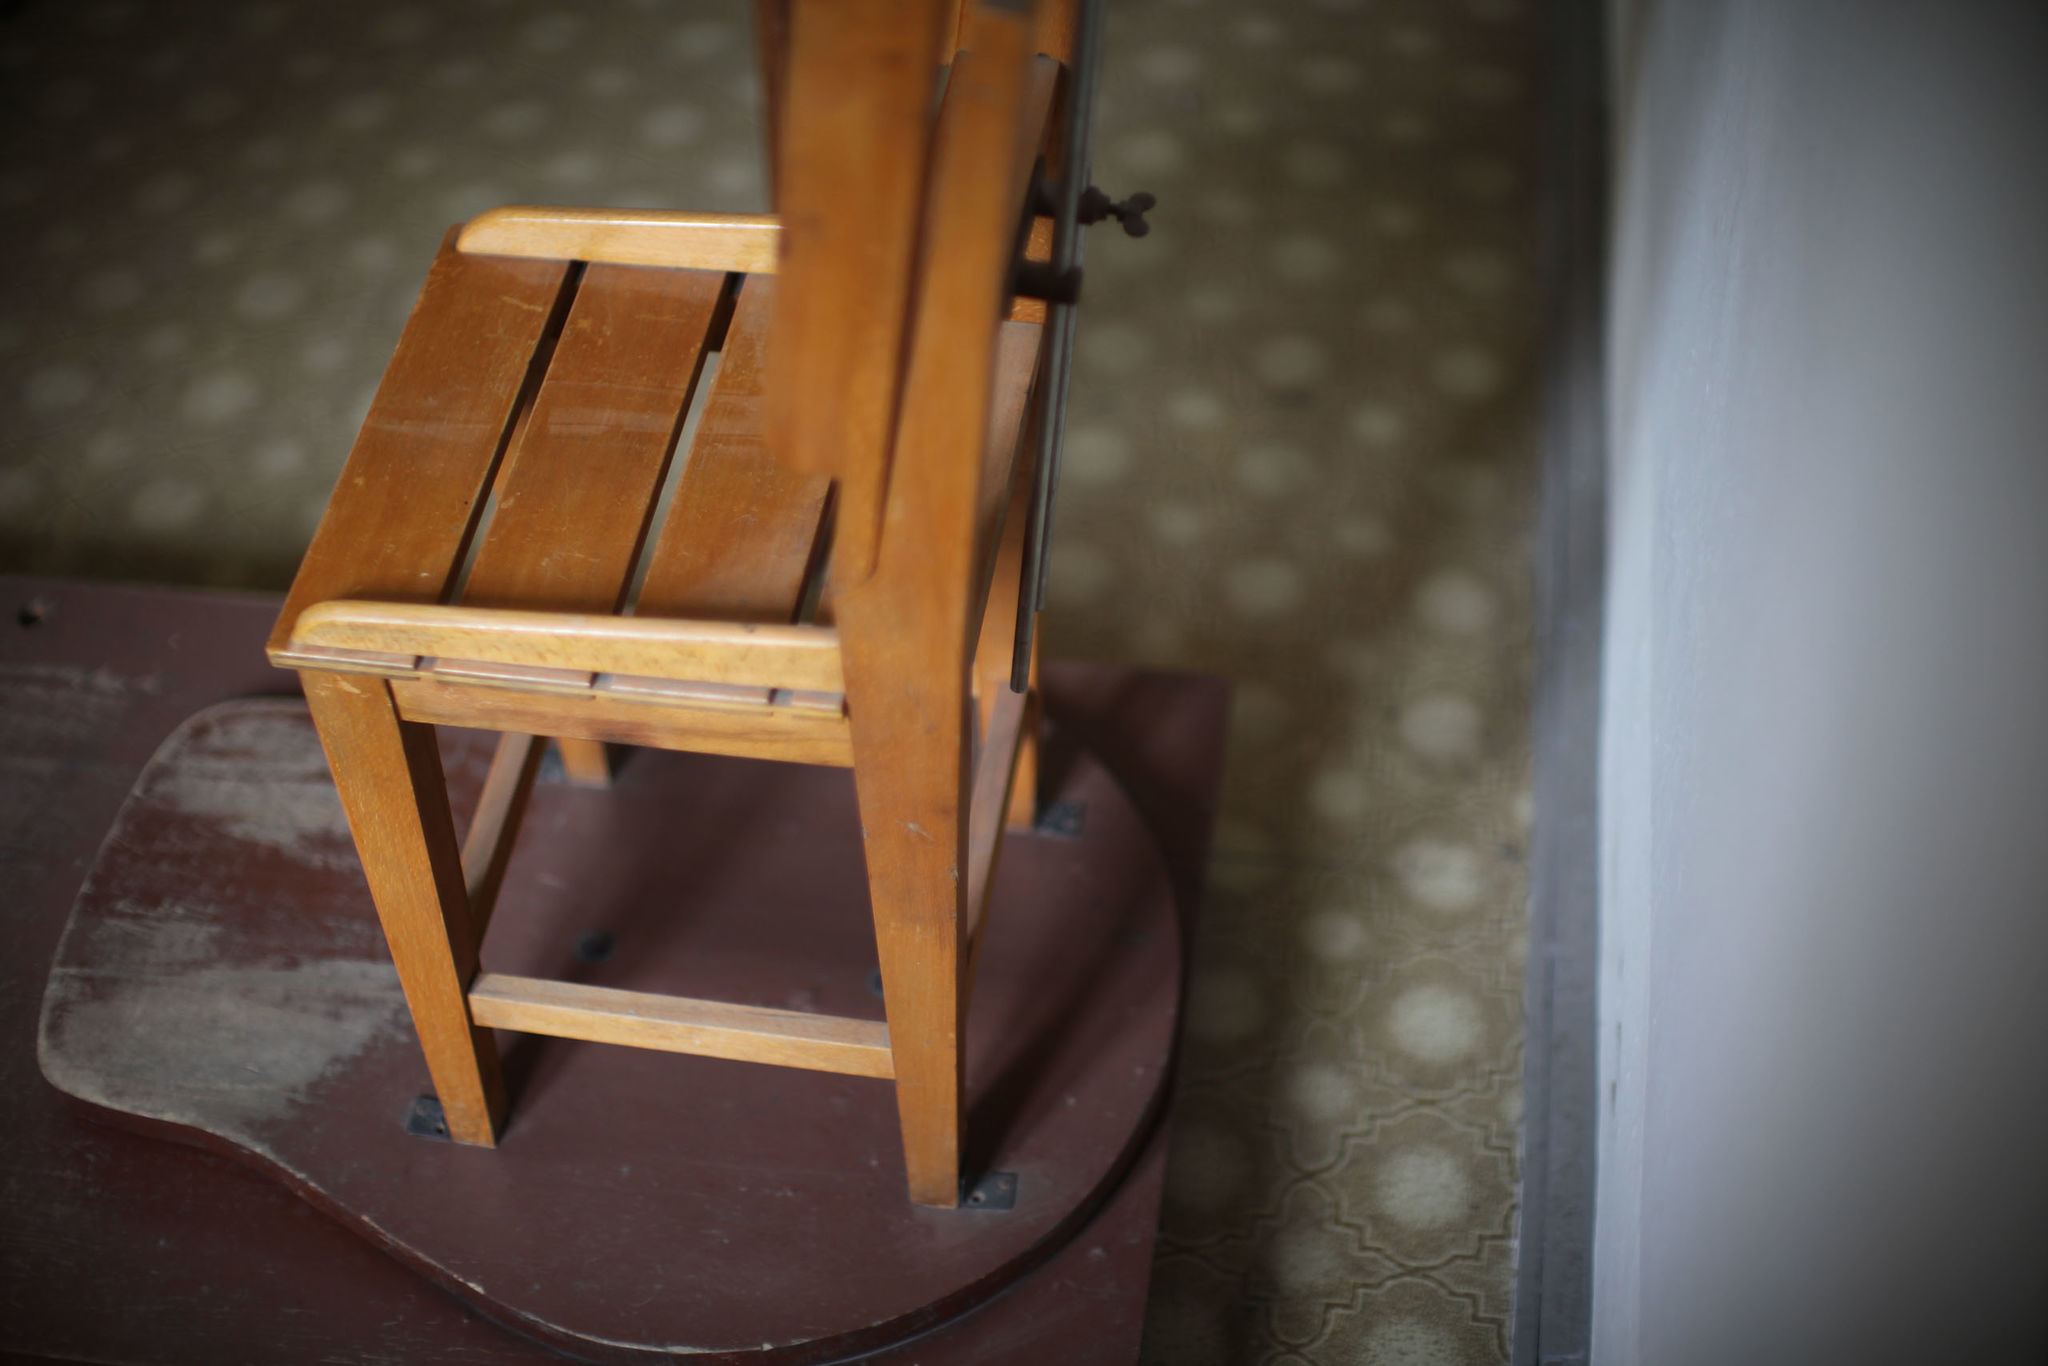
(996, 103)
(855, 128)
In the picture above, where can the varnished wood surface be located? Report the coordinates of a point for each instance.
(744, 653)
(995, 770)
(682, 1024)
(907, 629)
(995, 648)
(740, 243)
(586, 763)
(1017, 350)
(414, 482)
(965, 115)
(747, 730)
(487, 847)
(578, 485)
(745, 532)
(860, 77)
(1007, 445)
(893, 372)
(733, 242)
(388, 772)
(1037, 247)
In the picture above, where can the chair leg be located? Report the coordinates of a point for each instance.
(585, 762)
(388, 772)
(500, 807)
(995, 649)
(911, 774)
(1023, 812)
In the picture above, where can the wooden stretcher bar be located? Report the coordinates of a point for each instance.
(682, 1024)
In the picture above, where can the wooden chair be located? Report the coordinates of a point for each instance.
(835, 581)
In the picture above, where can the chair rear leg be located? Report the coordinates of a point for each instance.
(388, 772)
(911, 771)
(586, 763)
(995, 649)
(1023, 811)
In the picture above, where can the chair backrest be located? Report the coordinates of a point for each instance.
(901, 218)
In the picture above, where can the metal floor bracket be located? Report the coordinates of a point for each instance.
(990, 1193)
(425, 1120)
(1062, 820)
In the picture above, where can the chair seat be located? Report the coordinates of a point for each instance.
(516, 456)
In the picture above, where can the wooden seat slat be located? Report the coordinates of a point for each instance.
(743, 532)
(739, 242)
(409, 496)
(579, 483)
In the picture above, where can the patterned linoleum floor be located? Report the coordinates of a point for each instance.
(1300, 456)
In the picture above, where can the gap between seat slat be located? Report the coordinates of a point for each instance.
(487, 848)
(408, 498)
(577, 488)
(743, 532)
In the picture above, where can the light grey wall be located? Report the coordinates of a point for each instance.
(1824, 753)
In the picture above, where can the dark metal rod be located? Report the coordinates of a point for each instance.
(1066, 233)
(1045, 481)
(1066, 257)
(1051, 443)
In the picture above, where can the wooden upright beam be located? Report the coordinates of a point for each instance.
(855, 133)
(487, 848)
(908, 628)
(388, 772)
(414, 485)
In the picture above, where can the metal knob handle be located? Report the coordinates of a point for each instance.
(1130, 213)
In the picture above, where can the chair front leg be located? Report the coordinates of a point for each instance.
(388, 772)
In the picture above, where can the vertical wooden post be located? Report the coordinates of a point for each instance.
(911, 752)
(487, 848)
(389, 775)
(996, 649)
(856, 129)
(1023, 811)
(771, 54)
(586, 762)
(904, 597)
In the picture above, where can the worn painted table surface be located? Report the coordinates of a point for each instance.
(121, 1247)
